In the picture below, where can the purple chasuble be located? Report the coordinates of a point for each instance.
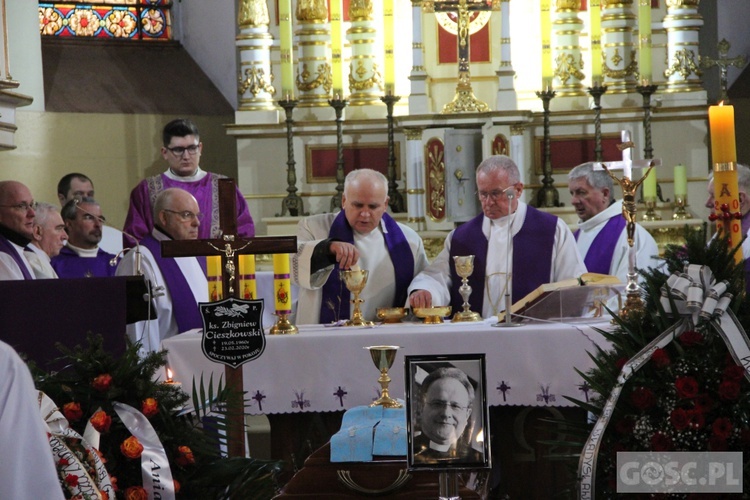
(7, 247)
(68, 264)
(532, 256)
(184, 306)
(599, 257)
(334, 290)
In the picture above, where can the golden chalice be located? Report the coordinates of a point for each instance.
(383, 357)
(355, 281)
(432, 315)
(464, 268)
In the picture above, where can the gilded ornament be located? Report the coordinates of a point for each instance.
(567, 67)
(324, 78)
(683, 4)
(253, 13)
(360, 10)
(255, 82)
(684, 64)
(436, 186)
(609, 4)
(375, 80)
(616, 57)
(311, 11)
(621, 74)
(476, 24)
(413, 134)
(574, 5)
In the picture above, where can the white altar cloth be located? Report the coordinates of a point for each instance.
(327, 368)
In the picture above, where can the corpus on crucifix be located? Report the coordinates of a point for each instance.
(464, 101)
(234, 329)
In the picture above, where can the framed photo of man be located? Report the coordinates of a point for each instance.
(446, 412)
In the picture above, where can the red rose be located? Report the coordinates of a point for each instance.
(729, 390)
(136, 493)
(131, 448)
(661, 358)
(149, 407)
(703, 402)
(184, 456)
(679, 418)
(716, 443)
(722, 427)
(72, 411)
(691, 338)
(102, 382)
(696, 419)
(625, 426)
(642, 398)
(176, 486)
(71, 480)
(687, 387)
(734, 372)
(620, 363)
(101, 421)
(661, 442)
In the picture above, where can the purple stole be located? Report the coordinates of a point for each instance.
(7, 247)
(599, 257)
(335, 292)
(184, 306)
(532, 256)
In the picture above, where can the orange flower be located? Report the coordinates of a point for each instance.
(72, 411)
(104, 495)
(184, 456)
(176, 486)
(131, 448)
(102, 382)
(113, 480)
(101, 421)
(136, 493)
(149, 407)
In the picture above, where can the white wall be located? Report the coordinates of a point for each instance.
(25, 50)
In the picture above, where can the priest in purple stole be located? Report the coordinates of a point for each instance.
(16, 230)
(602, 236)
(177, 284)
(362, 235)
(542, 249)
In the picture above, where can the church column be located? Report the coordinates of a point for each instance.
(567, 48)
(506, 95)
(682, 23)
(254, 44)
(619, 64)
(314, 68)
(365, 80)
(518, 155)
(419, 102)
(415, 185)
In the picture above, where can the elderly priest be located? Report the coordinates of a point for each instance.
(16, 230)
(543, 249)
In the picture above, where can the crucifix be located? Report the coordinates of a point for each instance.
(724, 63)
(464, 101)
(229, 247)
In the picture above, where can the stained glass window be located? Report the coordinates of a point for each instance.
(114, 19)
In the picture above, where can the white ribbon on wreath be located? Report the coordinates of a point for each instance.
(696, 295)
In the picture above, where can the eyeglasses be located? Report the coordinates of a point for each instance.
(91, 217)
(22, 207)
(179, 150)
(495, 194)
(443, 405)
(186, 215)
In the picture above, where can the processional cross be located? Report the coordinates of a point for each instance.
(464, 101)
(230, 246)
(724, 63)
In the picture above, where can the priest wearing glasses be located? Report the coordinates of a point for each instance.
(17, 211)
(182, 151)
(542, 250)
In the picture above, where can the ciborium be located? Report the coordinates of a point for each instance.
(355, 281)
(464, 268)
(383, 357)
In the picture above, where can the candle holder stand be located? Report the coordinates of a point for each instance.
(395, 200)
(292, 201)
(680, 212)
(597, 91)
(283, 326)
(338, 105)
(547, 196)
(650, 214)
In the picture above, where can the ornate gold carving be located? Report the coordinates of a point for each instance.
(630, 69)
(436, 175)
(608, 4)
(616, 58)
(676, 4)
(433, 246)
(360, 10)
(255, 81)
(311, 10)
(451, 26)
(428, 7)
(369, 83)
(574, 5)
(517, 129)
(413, 134)
(323, 78)
(567, 67)
(253, 13)
(464, 101)
(684, 64)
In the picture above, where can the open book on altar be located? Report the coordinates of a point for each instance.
(583, 297)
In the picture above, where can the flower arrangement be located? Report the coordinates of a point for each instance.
(90, 392)
(691, 395)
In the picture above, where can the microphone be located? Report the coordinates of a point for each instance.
(114, 260)
(511, 195)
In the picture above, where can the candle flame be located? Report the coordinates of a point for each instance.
(169, 375)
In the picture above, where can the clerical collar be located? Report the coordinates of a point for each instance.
(198, 175)
(443, 448)
(14, 237)
(163, 231)
(84, 252)
(601, 217)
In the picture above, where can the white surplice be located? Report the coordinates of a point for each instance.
(40, 263)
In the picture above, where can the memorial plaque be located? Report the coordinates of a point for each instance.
(233, 331)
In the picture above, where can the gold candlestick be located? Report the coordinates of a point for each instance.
(680, 202)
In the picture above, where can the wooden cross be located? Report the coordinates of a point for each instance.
(229, 247)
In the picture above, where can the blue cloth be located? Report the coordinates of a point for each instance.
(370, 431)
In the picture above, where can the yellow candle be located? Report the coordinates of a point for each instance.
(644, 40)
(723, 145)
(337, 73)
(388, 41)
(649, 185)
(248, 285)
(680, 181)
(282, 284)
(213, 271)
(595, 16)
(547, 73)
(286, 46)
